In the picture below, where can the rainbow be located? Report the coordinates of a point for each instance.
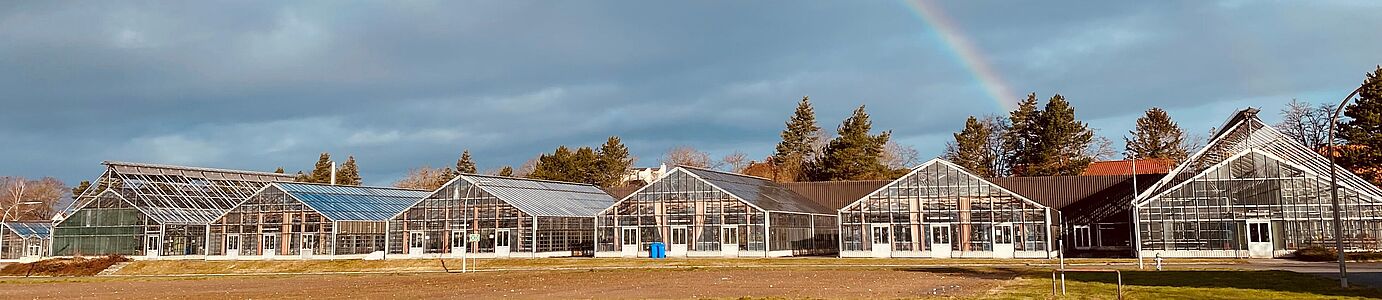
(969, 55)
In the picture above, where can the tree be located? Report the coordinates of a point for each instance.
(970, 148)
(1063, 141)
(279, 170)
(506, 171)
(1101, 148)
(1022, 136)
(585, 166)
(81, 188)
(736, 161)
(1363, 130)
(1305, 124)
(302, 177)
(1157, 136)
(526, 169)
(855, 154)
(798, 145)
(554, 166)
(322, 172)
(24, 199)
(349, 174)
(995, 153)
(614, 162)
(464, 164)
(687, 156)
(424, 178)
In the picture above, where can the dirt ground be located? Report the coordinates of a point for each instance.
(698, 283)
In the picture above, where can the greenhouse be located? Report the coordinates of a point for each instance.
(492, 216)
(940, 210)
(24, 240)
(699, 212)
(1254, 192)
(137, 209)
(301, 220)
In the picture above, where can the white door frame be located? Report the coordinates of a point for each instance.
(153, 244)
(233, 244)
(458, 241)
(1003, 240)
(729, 240)
(880, 237)
(34, 249)
(629, 241)
(309, 243)
(269, 244)
(417, 243)
(676, 246)
(941, 238)
(503, 242)
(1260, 244)
(1077, 236)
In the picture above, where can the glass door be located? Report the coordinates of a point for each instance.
(678, 241)
(309, 244)
(416, 241)
(629, 242)
(502, 241)
(458, 241)
(232, 245)
(270, 244)
(152, 245)
(1260, 239)
(1003, 240)
(940, 240)
(729, 240)
(882, 245)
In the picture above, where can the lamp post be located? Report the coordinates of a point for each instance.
(1334, 188)
(6, 216)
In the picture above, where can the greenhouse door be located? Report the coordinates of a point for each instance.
(458, 241)
(270, 245)
(35, 250)
(233, 245)
(1003, 241)
(152, 245)
(940, 241)
(416, 240)
(729, 242)
(882, 247)
(1259, 239)
(628, 239)
(678, 246)
(501, 243)
(309, 242)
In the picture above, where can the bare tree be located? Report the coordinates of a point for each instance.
(737, 161)
(424, 178)
(24, 199)
(1101, 149)
(526, 168)
(900, 157)
(687, 156)
(1307, 125)
(995, 153)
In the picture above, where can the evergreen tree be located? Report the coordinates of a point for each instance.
(322, 172)
(613, 163)
(797, 146)
(81, 188)
(1157, 136)
(554, 166)
(970, 148)
(1022, 137)
(444, 176)
(585, 166)
(464, 164)
(855, 154)
(507, 171)
(302, 177)
(349, 174)
(279, 170)
(1063, 140)
(1363, 130)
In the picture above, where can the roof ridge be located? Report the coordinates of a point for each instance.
(353, 186)
(526, 179)
(723, 172)
(190, 168)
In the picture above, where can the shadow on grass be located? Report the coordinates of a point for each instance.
(984, 273)
(1281, 281)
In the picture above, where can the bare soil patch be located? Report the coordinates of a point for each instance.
(79, 266)
(685, 283)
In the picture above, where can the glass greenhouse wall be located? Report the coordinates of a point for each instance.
(1255, 193)
(507, 217)
(304, 220)
(24, 240)
(940, 210)
(696, 212)
(106, 225)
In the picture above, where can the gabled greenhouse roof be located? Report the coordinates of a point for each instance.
(1244, 133)
(31, 229)
(352, 203)
(759, 192)
(178, 194)
(543, 197)
(941, 179)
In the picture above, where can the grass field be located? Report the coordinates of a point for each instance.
(1184, 284)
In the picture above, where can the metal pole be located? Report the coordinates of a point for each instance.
(1135, 222)
(1334, 189)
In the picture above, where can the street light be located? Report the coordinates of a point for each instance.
(6, 217)
(1334, 188)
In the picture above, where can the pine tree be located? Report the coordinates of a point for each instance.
(1157, 136)
(970, 148)
(349, 174)
(613, 162)
(302, 177)
(585, 166)
(854, 154)
(796, 148)
(1363, 130)
(1022, 137)
(507, 171)
(464, 164)
(1063, 140)
(444, 176)
(279, 170)
(81, 188)
(553, 166)
(322, 172)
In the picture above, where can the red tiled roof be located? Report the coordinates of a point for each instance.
(1125, 167)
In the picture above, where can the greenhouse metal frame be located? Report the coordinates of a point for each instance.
(492, 216)
(940, 210)
(304, 220)
(24, 241)
(706, 213)
(151, 210)
(1254, 192)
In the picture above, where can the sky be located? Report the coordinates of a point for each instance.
(258, 85)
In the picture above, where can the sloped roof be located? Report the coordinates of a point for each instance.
(31, 229)
(1081, 199)
(178, 194)
(759, 192)
(1245, 133)
(352, 203)
(835, 194)
(938, 171)
(543, 197)
(1126, 167)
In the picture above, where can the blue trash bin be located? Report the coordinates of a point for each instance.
(657, 250)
